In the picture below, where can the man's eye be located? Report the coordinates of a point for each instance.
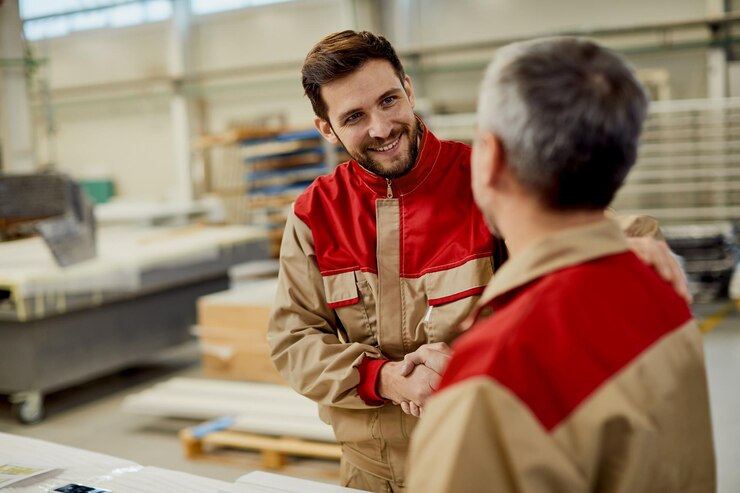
(389, 100)
(353, 117)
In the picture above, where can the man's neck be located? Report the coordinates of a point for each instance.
(527, 223)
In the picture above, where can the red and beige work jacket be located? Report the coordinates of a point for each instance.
(371, 269)
(584, 372)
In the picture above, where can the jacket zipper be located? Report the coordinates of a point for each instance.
(390, 190)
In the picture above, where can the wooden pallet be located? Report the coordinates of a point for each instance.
(274, 451)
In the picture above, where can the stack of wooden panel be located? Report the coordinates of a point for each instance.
(260, 175)
(233, 333)
(277, 170)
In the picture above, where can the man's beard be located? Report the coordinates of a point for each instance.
(396, 171)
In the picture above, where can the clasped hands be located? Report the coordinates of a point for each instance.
(409, 382)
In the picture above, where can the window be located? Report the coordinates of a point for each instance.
(211, 6)
(50, 18)
(46, 19)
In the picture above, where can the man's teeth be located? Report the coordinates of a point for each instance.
(388, 147)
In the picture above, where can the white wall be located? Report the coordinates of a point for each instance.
(111, 88)
(439, 22)
(130, 140)
(227, 45)
(267, 35)
(103, 56)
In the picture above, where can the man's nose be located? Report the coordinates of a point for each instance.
(380, 126)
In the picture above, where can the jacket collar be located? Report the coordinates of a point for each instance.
(425, 161)
(557, 251)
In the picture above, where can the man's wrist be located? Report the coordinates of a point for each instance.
(386, 387)
(368, 389)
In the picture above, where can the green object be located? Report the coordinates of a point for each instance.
(100, 191)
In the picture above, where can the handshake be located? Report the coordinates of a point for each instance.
(408, 383)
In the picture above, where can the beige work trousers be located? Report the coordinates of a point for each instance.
(352, 477)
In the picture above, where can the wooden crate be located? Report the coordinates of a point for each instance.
(233, 333)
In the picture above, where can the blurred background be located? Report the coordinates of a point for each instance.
(149, 150)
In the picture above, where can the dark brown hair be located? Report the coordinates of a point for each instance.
(340, 54)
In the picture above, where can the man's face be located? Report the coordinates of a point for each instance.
(371, 112)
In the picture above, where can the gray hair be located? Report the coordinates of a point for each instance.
(569, 114)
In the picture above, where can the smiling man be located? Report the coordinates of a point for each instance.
(381, 260)
(374, 265)
(377, 127)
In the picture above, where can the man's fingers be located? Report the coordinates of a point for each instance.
(658, 255)
(434, 382)
(639, 248)
(405, 407)
(666, 261)
(409, 363)
(415, 410)
(671, 271)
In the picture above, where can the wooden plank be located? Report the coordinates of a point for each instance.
(282, 199)
(287, 162)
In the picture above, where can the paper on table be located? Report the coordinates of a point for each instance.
(263, 482)
(157, 480)
(11, 473)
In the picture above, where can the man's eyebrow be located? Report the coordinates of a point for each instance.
(347, 113)
(389, 92)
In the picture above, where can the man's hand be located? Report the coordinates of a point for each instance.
(434, 356)
(658, 255)
(410, 391)
(411, 381)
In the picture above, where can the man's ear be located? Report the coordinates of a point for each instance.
(409, 89)
(493, 159)
(324, 128)
(497, 159)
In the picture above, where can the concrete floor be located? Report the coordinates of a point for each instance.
(722, 352)
(89, 416)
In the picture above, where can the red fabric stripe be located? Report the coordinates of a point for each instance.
(338, 304)
(456, 296)
(559, 339)
(368, 389)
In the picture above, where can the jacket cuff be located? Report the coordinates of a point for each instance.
(368, 388)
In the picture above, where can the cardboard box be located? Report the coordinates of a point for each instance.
(233, 333)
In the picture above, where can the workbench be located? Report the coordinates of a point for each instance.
(63, 326)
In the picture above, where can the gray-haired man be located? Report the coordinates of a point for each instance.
(589, 373)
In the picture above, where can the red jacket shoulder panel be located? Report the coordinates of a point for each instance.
(563, 336)
(340, 211)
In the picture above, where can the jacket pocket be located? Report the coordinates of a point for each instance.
(351, 297)
(451, 295)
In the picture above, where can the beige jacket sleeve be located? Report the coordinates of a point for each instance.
(476, 436)
(303, 330)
